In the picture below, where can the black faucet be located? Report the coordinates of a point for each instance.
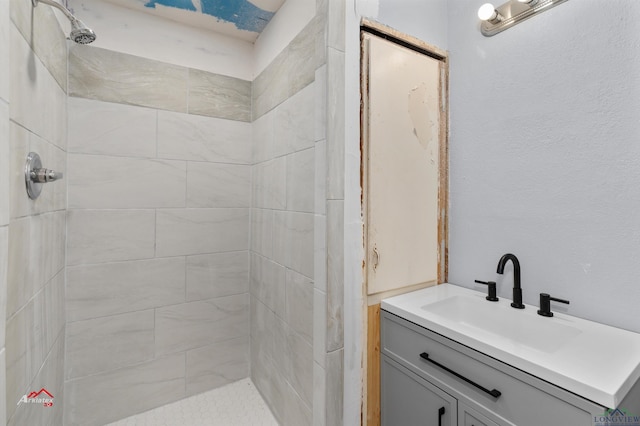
(517, 289)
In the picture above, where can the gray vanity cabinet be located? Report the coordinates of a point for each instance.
(422, 371)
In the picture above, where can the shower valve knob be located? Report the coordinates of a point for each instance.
(45, 175)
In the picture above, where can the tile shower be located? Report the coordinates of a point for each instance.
(196, 212)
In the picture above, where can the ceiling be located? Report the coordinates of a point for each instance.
(242, 19)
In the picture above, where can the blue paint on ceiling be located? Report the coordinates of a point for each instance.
(244, 14)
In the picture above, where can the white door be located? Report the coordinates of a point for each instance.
(402, 134)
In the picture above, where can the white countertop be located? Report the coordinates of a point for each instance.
(598, 362)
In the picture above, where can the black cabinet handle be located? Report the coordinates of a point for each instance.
(440, 414)
(494, 392)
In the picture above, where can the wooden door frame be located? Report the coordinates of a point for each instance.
(371, 357)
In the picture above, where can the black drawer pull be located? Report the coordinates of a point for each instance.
(494, 392)
(440, 414)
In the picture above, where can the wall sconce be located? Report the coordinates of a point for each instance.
(498, 19)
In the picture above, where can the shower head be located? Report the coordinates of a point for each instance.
(80, 33)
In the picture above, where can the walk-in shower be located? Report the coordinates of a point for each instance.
(80, 33)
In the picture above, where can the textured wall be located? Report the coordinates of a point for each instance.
(544, 155)
(35, 315)
(158, 234)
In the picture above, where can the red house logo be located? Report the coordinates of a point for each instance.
(43, 397)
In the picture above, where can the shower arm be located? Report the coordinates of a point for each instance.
(57, 6)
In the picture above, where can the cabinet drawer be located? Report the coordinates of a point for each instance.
(409, 400)
(469, 375)
(470, 417)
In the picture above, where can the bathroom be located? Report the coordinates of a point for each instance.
(542, 160)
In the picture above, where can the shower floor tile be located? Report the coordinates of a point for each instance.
(236, 404)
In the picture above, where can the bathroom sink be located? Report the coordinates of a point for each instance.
(503, 322)
(593, 360)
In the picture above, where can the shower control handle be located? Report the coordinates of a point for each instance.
(45, 175)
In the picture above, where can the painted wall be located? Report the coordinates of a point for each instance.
(544, 155)
(32, 248)
(159, 182)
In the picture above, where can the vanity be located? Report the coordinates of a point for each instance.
(450, 357)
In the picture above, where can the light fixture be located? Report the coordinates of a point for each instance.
(498, 19)
(488, 12)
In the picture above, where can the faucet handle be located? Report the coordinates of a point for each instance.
(492, 290)
(545, 304)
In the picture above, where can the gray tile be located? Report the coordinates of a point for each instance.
(262, 232)
(5, 164)
(54, 309)
(193, 137)
(300, 181)
(268, 284)
(96, 73)
(108, 343)
(3, 369)
(106, 128)
(335, 125)
(336, 25)
(297, 412)
(320, 252)
(319, 397)
(334, 387)
(95, 236)
(43, 33)
(320, 96)
(200, 231)
(320, 179)
(301, 60)
(294, 122)
(54, 195)
(38, 103)
(16, 359)
(217, 275)
(270, 381)
(4, 265)
(196, 324)
(216, 95)
(300, 256)
(105, 397)
(269, 183)
(101, 182)
(19, 204)
(335, 275)
(218, 185)
(321, 33)
(300, 306)
(300, 367)
(20, 286)
(319, 327)
(5, 24)
(217, 365)
(271, 87)
(114, 288)
(263, 137)
(46, 247)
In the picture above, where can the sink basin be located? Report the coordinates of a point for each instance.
(503, 322)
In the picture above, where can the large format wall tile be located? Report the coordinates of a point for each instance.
(300, 365)
(192, 137)
(101, 74)
(262, 232)
(217, 365)
(268, 284)
(4, 265)
(108, 343)
(335, 275)
(218, 185)
(270, 184)
(197, 231)
(4, 163)
(106, 128)
(296, 411)
(101, 398)
(220, 96)
(5, 24)
(114, 288)
(299, 306)
(293, 241)
(95, 236)
(217, 275)
(196, 324)
(38, 103)
(300, 181)
(100, 182)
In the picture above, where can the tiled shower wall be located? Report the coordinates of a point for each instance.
(158, 234)
(32, 249)
(297, 238)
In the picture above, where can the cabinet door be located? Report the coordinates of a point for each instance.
(470, 417)
(409, 400)
(402, 133)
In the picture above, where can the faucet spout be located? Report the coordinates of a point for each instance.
(517, 289)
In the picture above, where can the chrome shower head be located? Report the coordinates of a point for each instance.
(80, 33)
